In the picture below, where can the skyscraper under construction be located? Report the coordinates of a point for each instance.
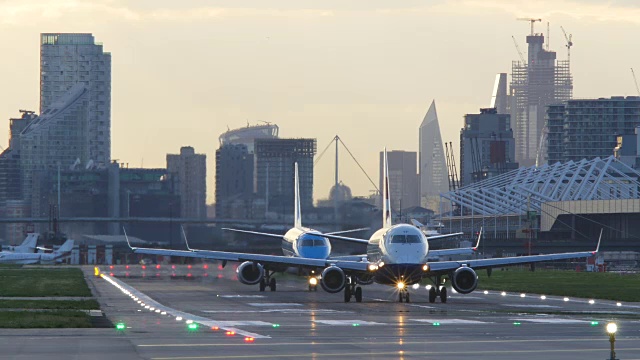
(536, 82)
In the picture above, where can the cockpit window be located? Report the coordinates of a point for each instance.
(310, 242)
(405, 239)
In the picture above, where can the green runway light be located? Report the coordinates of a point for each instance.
(436, 324)
(192, 326)
(517, 323)
(356, 324)
(276, 325)
(594, 323)
(121, 326)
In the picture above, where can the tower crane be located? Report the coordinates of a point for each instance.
(635, 81)
(518, 48)
(569, 43)
(532, 21)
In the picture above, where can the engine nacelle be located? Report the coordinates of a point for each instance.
(250, 273)
(464, 280)
(333, 279)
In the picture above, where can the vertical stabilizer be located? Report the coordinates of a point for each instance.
(65, 248)
(386, 201)
(28, 245)
(297, 222)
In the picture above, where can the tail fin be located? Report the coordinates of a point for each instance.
(386, 201)
(417, 223)
(28, 245)
(297, 222)
(66, 247)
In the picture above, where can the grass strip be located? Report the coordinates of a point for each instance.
(34, 282)
(610, 286)
(44, 319)
(50, 304)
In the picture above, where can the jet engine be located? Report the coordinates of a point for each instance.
(464, 280)
(250, 273)
(333, 279)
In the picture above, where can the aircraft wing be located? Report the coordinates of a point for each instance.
(345, 238)
(452, 251)
(263, 259)
(254, 232)
(447, 266)
(443, 236)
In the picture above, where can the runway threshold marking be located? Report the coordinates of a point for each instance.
(176, 313)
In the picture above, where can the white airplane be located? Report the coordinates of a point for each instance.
(432, 234)
(29, 245)
(37, 258)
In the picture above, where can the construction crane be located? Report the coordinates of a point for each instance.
(569, 43)
(519, 52)
(635, 81)
(532, 21)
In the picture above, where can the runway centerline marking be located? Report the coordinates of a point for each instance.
(551, 320)
(532, 306)
(347, 322)
(451, 321)
(273, 304)
(241, 296)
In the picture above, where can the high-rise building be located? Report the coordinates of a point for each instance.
(275, 160)
(234, 180)
(188, 171)
(70, 59)
(540, 81)
(404, 181)
(55, 139)
(499, 97)
(433, 168)
(589, 128)
(487, 147)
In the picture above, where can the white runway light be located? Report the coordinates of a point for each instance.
(179, 318)
(618, 304)
(503, 293)
(428, 287)
(543, 297)
(486, 292)
(592, 302)
(566, 299)
(416, 286)
(522, 295)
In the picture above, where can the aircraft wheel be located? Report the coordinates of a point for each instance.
(272, 284)
(432, 294)
(347, 293)
(443, 295)
(358, 294)
(263, 285)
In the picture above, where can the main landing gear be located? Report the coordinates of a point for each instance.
(267, 280)
(403, 294)
(438, 290)
(351, 289)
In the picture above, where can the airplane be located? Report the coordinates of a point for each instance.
(37, 258)
(28, 244)
(397, 255)
(432, 234)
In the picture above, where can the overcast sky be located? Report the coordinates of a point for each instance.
(184, 71)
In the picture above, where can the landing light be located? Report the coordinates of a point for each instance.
(425, 267)
(416, 286)
(381, 264)
(401, 285)
(313, 281)
(373, 267)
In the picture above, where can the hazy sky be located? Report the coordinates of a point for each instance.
(184, 71)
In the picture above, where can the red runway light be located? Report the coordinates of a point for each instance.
(111, 267)
(144, 267)
(189, 266)
(126, 274)
(158, 266)
(205, 275)
(249, 339)
(189, 275)
(220, 276)
(173, 267)
(173, 274)
(110, 274)
(158, 274)
(220, 267)
(127, 267)
(215, 328)
(231, 333)
(205, 266)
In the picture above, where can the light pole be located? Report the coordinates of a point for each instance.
(611, 330)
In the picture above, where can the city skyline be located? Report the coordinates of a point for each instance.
(315, 70)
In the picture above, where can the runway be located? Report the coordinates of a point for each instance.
(295, 323)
